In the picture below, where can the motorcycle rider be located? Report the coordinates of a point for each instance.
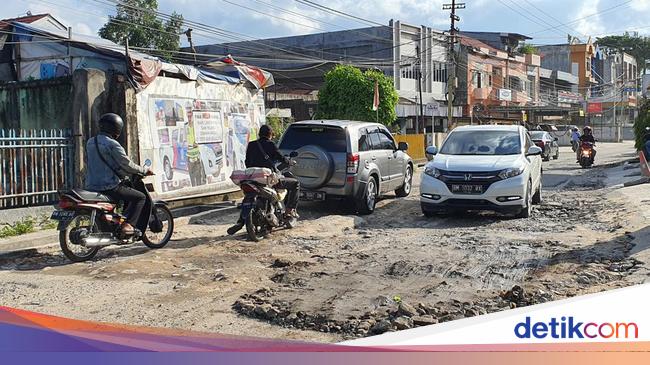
(587, 136)
(108, 164)
(575, 138)
(264, 153)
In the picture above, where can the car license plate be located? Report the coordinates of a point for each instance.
(62, 215)
(312, 195)
(467, 189)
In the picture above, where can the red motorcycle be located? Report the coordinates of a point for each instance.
(587, 154)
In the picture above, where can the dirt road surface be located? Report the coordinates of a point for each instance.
(338, 276)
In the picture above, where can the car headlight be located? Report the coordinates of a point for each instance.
(511, 172)
(433, 172)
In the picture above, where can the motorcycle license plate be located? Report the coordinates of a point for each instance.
(62, 215)
(312, 195)
(467, 189)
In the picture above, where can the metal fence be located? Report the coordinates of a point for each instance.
(34, 165)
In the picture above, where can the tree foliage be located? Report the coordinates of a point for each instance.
(635, 45)
(527, 49)
(137, 21)
(348, 93)
(642, 122)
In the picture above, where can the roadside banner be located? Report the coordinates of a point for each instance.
(643, 163)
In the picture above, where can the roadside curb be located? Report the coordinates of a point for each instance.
(50, 237)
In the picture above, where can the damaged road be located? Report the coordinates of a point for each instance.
(338, 276)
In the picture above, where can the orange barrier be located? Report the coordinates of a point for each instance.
(416, 144)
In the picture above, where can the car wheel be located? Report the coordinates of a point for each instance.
(527, 210)
(366, 205)
(405, 190)
(167, 167)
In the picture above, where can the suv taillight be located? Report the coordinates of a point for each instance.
(353, 163)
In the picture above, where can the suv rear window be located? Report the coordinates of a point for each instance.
(331, 139)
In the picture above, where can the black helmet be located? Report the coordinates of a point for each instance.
(587, 129)
(111, 124)
(266, 131)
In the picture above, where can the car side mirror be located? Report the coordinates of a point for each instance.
(293, 154)
(534, 151)
(432, 150)
(403, 146)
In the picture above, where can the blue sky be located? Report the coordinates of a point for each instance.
(87, 16)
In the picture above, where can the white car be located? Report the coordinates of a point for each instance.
(493, 167)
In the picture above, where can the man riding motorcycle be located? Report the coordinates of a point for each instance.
(264, 153)
(108, 164)
(587, 136)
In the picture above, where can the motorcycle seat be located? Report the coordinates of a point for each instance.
(91, 196)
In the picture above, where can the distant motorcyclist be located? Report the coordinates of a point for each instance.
(575, 139)
(108, 165)
(264, 153)
(587, 136)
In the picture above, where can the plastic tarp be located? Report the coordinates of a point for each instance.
(93, 52)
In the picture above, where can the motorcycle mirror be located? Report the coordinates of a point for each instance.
(293, 154)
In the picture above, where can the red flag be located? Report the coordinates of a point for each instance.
(375, 102)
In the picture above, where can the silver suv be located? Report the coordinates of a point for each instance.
(341, 159)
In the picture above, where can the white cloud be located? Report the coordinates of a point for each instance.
(589, 24)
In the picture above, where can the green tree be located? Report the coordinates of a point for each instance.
(137, 21)
(348, 93)
(527, 49)
(641, 123)
(637, 46)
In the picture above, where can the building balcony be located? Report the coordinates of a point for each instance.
(481, 93)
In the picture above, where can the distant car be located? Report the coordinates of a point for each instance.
(493, 167)
(548, 127)
(547, 143)
(341, 159)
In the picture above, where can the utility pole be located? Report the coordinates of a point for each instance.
(418, 69)
(451, 74)
(188, 33)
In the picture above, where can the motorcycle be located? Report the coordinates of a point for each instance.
(89, 221)
(586, 154)
(263, 207)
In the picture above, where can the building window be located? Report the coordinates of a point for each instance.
(439, 72)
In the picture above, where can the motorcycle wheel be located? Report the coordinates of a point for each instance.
(159, 239)
(256, 226)
(76, 253)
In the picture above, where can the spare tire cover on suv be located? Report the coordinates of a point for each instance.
(314, 168)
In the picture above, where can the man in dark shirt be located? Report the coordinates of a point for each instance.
(264, 153)
(587, 136)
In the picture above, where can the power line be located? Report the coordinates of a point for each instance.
(625, 3)
(339, 13)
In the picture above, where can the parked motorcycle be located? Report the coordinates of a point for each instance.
(89, 221)
(263, 207)
(586, 154)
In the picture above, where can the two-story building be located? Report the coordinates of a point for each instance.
(414, 56)
(496, 86)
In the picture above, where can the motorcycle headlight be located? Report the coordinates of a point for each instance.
(433, 172)
(511, 172)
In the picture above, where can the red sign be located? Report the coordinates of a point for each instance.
(595, 108)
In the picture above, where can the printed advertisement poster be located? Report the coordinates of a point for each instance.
(195, 143)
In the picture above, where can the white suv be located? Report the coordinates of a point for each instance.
(483, 168)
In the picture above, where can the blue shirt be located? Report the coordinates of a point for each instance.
(647, 150)
(99, 176)
(575, 136)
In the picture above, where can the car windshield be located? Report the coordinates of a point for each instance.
(536, 135)
(480, 142)
(331, 139)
